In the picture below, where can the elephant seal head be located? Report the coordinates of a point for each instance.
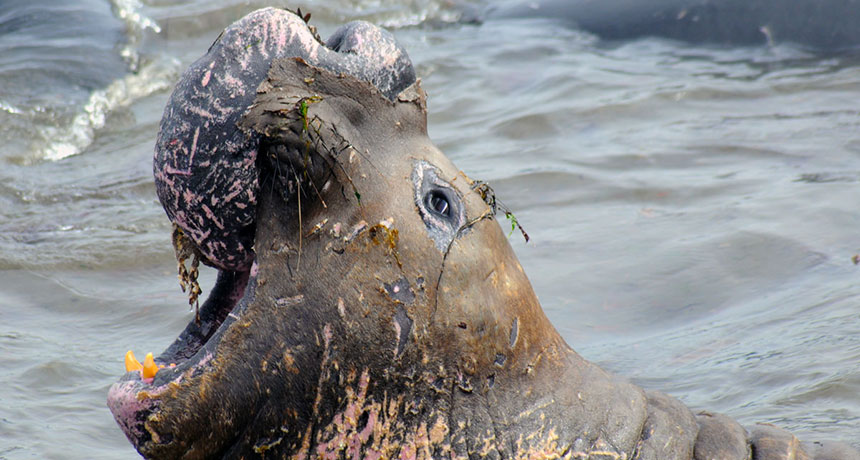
(367, 298)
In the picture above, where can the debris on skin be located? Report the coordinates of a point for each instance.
(489, 196)
(356, 230)
(289, 301)
(317, 228)
(185, 249)
(384, 233)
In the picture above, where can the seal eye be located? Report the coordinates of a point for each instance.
(438, 203)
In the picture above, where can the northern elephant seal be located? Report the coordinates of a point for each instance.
(369, 306)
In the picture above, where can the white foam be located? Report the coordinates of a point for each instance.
(9, 108)
(128, 11)
(144, 79)
(136, 25)
(74, 138)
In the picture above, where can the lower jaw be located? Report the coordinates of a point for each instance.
(133, 399)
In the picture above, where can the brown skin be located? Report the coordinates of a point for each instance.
(362, 336)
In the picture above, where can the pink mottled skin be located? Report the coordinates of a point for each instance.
(126, 401)
(346, 429)
(123, 402)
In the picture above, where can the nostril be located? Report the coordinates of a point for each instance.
(345, 39)
(364, 39)
(336, 40)
(373, 55)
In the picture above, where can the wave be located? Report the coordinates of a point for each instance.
(400, 14)
(72, 139)
(9, 108)
(145, 77)
(397, 14)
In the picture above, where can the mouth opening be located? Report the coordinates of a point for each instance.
(219, 310)
(133, 399)
(221, 303)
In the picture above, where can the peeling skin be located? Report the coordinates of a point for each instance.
(354, 355)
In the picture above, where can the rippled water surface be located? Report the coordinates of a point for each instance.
(693, 211)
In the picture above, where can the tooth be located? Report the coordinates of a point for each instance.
(131, 363)
(149, 367)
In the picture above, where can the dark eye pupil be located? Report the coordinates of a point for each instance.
(439, 203)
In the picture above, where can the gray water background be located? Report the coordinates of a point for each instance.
(693, 211)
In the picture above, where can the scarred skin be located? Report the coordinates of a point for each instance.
(370, 324)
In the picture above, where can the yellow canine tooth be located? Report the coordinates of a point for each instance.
(131, 363)
(149, 367)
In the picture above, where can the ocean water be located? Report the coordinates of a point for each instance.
(693, 210)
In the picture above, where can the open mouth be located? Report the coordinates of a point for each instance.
(134, 398)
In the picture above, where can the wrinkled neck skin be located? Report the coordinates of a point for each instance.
(398, 366)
